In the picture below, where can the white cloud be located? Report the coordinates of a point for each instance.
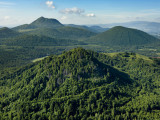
(50, 4)
(91, 15)
(63, 17)
(77, 11)
(6, 17)
(74, 10)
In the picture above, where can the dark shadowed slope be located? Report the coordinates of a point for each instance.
(63, 32)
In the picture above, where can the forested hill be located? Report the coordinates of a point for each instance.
(82, 84)
(46, 23)
(40, 23)
(121, 36)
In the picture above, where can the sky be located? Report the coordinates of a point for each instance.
(81, 12)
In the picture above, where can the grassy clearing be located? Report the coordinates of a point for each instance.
(153, 49)
(144, 57)
(138, 56)
(38, 59)
(158, 54)
(25, 30)
(111, 54)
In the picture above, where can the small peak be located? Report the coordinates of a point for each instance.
(46, 19)
(46, 23)
(42, 17)
(4, 28)
(78, 53)
(79, 49)
(119, 27)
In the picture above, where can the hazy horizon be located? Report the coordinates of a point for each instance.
(84, 12)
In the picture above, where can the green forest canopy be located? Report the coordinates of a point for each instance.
(82, 84)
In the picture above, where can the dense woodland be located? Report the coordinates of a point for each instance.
(73, 83)
(82, 84)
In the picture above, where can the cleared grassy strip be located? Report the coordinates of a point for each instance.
(38, 59)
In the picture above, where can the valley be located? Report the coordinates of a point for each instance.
(45, 37)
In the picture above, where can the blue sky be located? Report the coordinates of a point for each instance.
(16, 12)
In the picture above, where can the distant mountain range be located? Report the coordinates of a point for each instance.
(54, 24)
(53, 28)
(149, 27)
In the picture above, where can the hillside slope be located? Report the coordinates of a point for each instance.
(63, 32)
(6, 33)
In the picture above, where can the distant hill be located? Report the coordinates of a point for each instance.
(46, 23)
(33, 40)
(96, 29)
(6, 33)
(121, 36)
(81, 84)
(149, 27)
(40, 23)
(13, 38)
